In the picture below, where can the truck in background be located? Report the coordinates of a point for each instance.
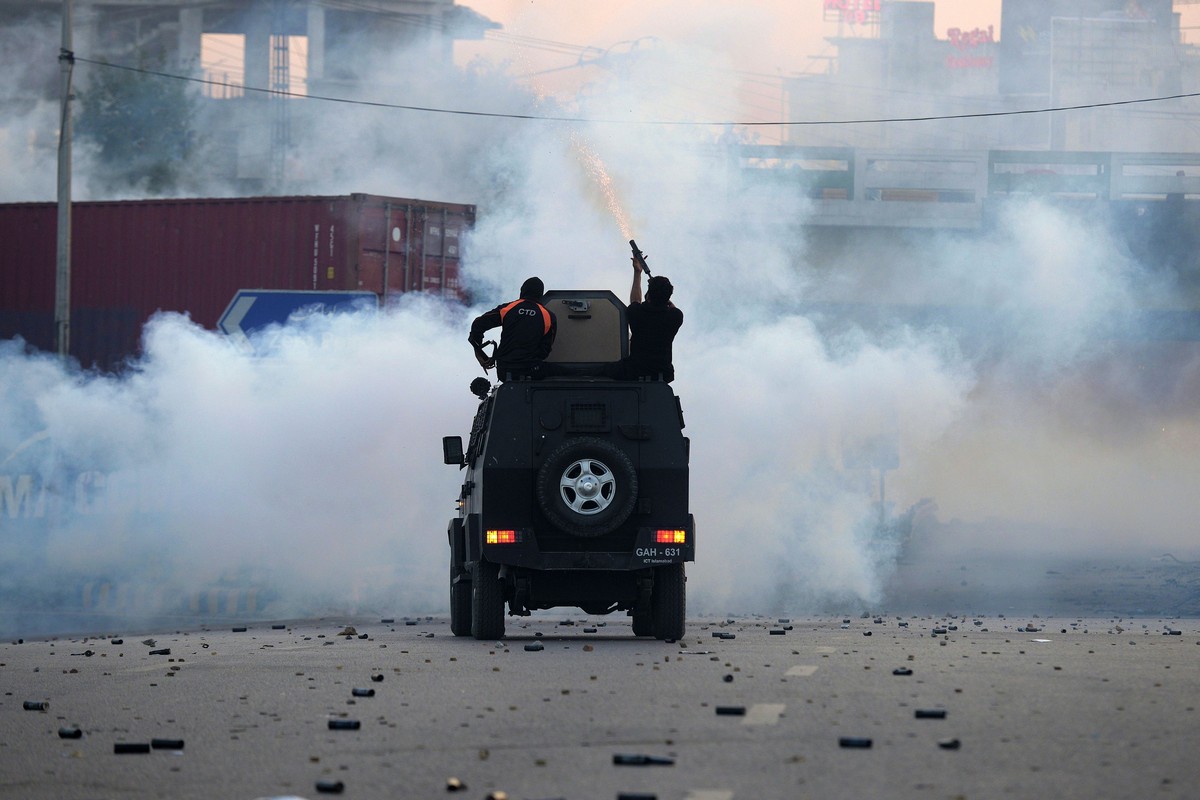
(131, 259)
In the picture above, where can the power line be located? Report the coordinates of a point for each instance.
(664, 122)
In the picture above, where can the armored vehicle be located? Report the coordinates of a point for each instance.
(575, 488)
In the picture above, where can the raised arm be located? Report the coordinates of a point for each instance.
(635, 292)
(484, 322)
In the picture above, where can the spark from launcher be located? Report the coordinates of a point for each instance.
(594, 167)
(588, 157)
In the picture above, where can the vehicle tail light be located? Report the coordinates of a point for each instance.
(502, 537)
(671, 536)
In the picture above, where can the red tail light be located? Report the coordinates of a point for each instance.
(501, 537)
(671, 536)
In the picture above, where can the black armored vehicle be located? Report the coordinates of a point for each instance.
(575, 489)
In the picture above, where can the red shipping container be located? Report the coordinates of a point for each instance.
(133, 258)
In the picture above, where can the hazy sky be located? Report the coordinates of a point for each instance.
(765, 36)
(769, 37)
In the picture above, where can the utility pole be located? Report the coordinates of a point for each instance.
(281, 84)
(62, 282)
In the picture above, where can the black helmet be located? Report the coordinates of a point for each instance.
(532, 289)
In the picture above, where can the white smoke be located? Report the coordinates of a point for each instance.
(314, 466)
(313, 462)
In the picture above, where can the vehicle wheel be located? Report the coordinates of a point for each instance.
(643, 623)
(668, 602)
(487, 601)
(460, 603)
(587, 487)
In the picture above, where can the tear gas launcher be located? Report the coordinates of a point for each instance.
(640, 258)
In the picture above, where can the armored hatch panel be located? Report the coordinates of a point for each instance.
(592, 328)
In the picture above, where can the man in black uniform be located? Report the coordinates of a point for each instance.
(652, 328)
(527, 330)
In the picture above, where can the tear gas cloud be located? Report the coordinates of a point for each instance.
(313, 467)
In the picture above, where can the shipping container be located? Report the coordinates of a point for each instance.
(132, 258)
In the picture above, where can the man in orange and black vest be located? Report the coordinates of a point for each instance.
(527, 330)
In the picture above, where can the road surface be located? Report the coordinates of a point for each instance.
(1075, 707)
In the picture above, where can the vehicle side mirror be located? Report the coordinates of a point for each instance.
(452, 451)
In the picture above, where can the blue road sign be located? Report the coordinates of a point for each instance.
(254, 309)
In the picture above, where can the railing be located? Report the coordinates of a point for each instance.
(948, 188)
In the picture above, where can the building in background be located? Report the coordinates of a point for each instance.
(892, 64)
(249, 52)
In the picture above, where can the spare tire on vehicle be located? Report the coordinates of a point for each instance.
(587, 487)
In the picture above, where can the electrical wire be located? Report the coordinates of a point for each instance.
(656, 122)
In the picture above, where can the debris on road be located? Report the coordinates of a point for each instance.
(330, 787)
(731, 711)
(344, 724)
(35, 705)
(363, 692)
(70, 733)
(166, 744)
(858, 742)
(930, 713)
(641, 760)
(131, 747)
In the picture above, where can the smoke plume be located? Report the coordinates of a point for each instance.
(310, 471)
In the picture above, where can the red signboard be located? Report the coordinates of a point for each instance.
(856, 11)
(966, 43)
(968, 40)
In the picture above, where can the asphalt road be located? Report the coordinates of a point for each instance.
(1087, 708)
